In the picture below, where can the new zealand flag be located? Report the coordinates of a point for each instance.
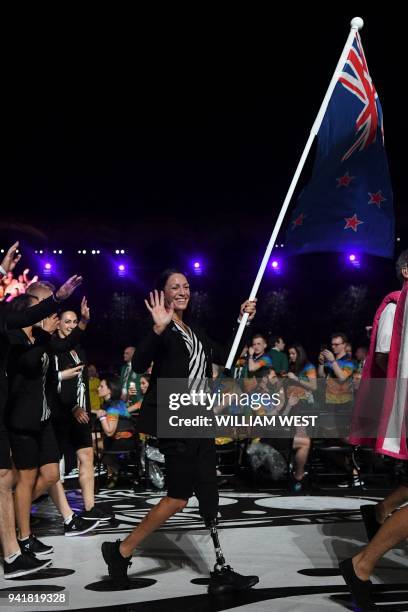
(348, 203)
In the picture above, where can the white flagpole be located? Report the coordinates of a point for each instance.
(356, 24)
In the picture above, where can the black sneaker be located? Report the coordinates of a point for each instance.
(225, 580)
(117, 565)
(24, 565)
(95, 514)
(77, 526)
(34, 547)
(360, 589)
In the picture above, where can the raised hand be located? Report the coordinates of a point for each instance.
(161, 314)
(68, 287)
(328, 355)
(85, 312)
(11, 259)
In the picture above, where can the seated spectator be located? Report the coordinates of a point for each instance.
(129, 380)
(239, 368)
(257, 362)
(269, 383)
(144, 382)
(278, 356)
(117, 425)
(301, 383)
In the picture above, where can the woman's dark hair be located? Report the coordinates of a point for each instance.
(146, 376)
(114, 386)
(301, 359)
(165, 275)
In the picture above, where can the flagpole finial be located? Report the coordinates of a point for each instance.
(357, 23)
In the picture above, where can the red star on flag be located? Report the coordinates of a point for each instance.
(344, 181)
(352, 222)
(299, 221)
(376, 198)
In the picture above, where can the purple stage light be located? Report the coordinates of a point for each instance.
(276, 266)
(197, 266)
(121, 267)
(47, 268)
(353, 259)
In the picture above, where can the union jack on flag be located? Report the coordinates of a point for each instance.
(356, 78)
(347, 205)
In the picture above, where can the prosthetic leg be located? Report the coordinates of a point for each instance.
(223, 579)
(211, 524)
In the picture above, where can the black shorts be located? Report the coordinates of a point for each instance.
(5, 461)
(71, 433)
(191, 468)
(34, 449)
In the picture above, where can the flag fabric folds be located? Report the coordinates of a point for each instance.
(348, 203)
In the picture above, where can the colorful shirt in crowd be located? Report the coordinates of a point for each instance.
(337, 391)
(307, 374)
(250, 378)
(118, 411)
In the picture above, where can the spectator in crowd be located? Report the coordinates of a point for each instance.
(11, 287)
(278, 356)
(116, 424)
(144, 382)
(359, 361)
(337, 368)
(301, 383)
(93, 384)
(240, 370)
(129, 379)
(361, 356)
(257, 362)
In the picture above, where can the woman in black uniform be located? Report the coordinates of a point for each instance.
(71, 412)
(182, 352)
(17, 563)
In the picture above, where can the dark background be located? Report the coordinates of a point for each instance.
(174, 136)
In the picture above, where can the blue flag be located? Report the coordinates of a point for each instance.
(347, 205)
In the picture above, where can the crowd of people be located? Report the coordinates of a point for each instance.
(11, 286)
(56, 409)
